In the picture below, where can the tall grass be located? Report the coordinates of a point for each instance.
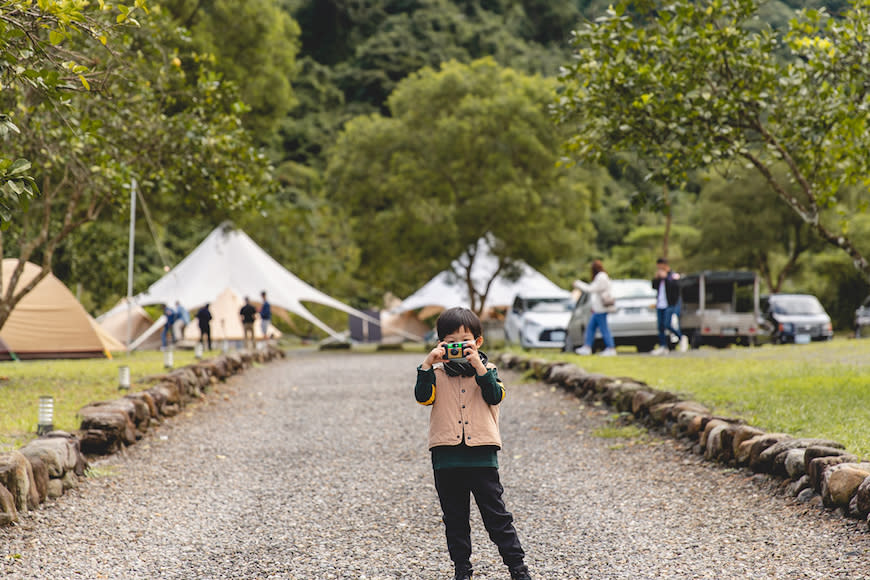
(815, 390)
(72, 383)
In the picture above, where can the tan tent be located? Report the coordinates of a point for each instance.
(49, 322)
(115, 322)
(226, 323)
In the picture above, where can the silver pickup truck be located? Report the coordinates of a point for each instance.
(720, 308)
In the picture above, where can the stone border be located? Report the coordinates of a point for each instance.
(48, 466)
(815, 471)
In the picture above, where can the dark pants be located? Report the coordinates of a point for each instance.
(665, 318)
(205, 333)
(454, 487)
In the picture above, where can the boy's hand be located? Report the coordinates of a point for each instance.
(435, 355)
(473, 356)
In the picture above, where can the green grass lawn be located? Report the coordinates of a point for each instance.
(813, 390)
(72, 383)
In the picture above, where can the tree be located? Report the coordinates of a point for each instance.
(468, 151)
(685, 85)
(254, 45)
(36, 55)
(751, 229)
(173, 127)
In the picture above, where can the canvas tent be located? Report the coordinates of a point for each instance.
(226, 324)
(115, 322)
(448, 288)
(229, 259)
(49, 322)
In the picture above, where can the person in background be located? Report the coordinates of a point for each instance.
(168, 334)
(667, 307)
(248, 313)
(599, 290)
(203, 317)
(265, 315)
(182, 319)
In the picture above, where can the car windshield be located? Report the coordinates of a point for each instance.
(628, 289)
(555, 304)
(796, 305)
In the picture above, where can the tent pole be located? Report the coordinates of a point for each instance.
(130, 263)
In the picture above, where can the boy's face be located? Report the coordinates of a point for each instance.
(462, 334)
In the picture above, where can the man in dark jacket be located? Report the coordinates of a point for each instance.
(203, 316)
(667, 307)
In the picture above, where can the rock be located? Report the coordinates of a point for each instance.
(743, 433)
(767, 459)
(565, 375)
(40, 478)
(711, 424)
(795, 463)
(719, 446)
(806, 495)
(762, 443)
(659, 413)
(862, 498)
(620, 394)
(814, 451)
(16, 476)
(817, 466)
(840, 482)
(797, 486)
(148, 400)
(69, 481)
(60, 451)
(55, 488)
(8, 513)
(105, 429)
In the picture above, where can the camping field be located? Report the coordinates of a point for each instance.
(813, 390)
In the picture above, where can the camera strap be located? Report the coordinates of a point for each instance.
(463, 369)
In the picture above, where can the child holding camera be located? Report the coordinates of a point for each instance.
(464, 391)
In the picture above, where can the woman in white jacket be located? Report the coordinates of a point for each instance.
(598, 288)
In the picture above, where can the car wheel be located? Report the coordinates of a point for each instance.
(646, 346)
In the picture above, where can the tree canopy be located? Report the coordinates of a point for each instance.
(469, 150)
(685, 85)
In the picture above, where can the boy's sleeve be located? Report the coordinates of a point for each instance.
(424, 390)
(491, 386)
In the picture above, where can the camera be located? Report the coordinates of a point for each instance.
(454, 351)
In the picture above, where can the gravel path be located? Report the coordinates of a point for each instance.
(316, 468)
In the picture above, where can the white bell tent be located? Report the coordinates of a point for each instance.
(449, 289)
(229, 259)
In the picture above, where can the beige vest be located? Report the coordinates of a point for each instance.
(459, 411)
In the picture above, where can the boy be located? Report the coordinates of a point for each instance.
(464, 440)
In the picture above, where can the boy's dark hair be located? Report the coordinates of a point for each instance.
(661, 261)
(454, 318)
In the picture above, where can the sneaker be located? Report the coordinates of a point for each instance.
(608, 352)
(659, 351)
(684, 343)
(583, 350)
(520, 573)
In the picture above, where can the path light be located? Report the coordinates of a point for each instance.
(167, 358)
(123, 378)
(45, 420)
(197, 350)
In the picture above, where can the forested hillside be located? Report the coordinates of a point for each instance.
(329, 90)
